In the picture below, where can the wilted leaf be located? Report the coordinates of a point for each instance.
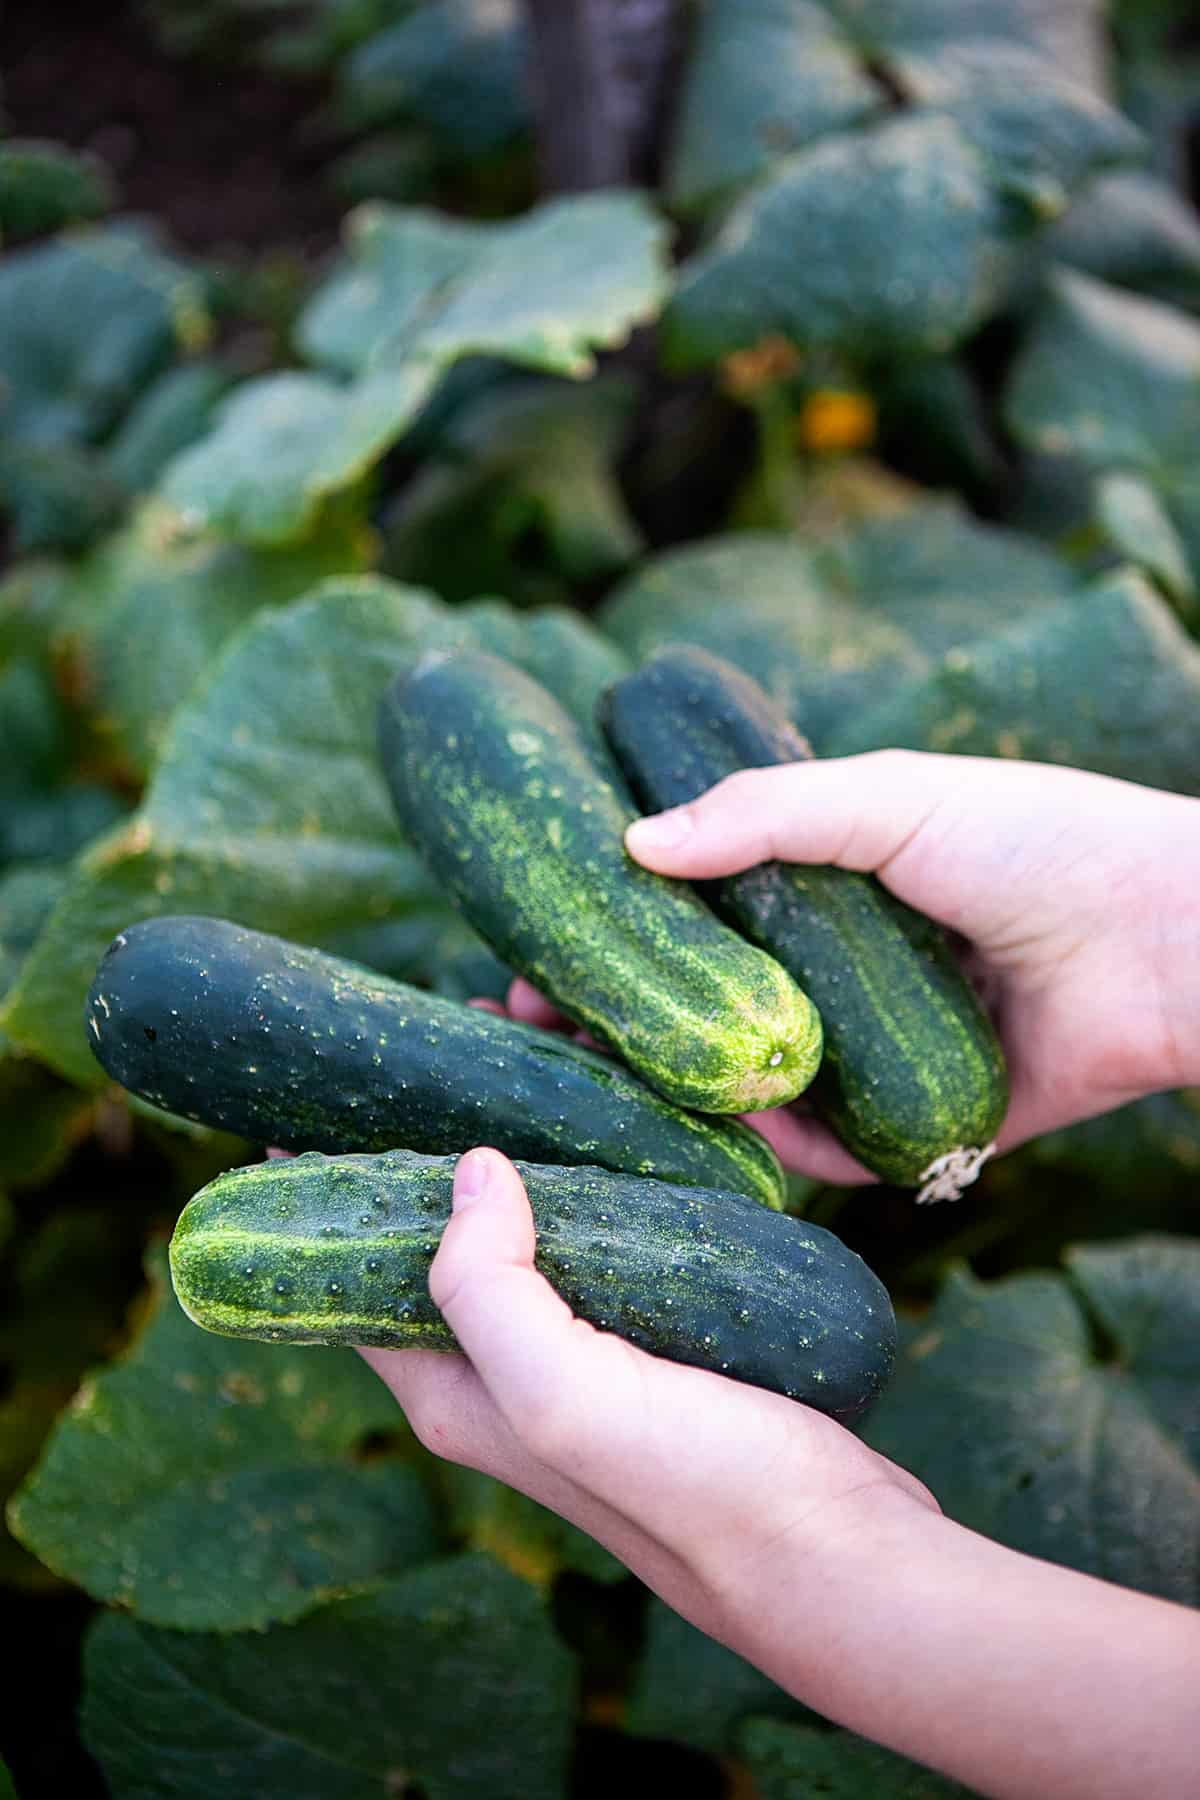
(151, 608)
(691, 1690)
(794, 1762)
(762, 78)
(1108, 681)
(204, 1487)
(449, 1678)
(457, 67)
(267, 806)
(1007, 1403)
(878, 241)
(44, 186)
(84, 323)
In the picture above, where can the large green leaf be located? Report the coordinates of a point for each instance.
(1129, 228)
(521, 498)
(875, 242)
(283, 443)
(533, 1542)
(419, 291)
(56, 496)
(1108, 681)
(547, 289)
(1113, 380)
(831, 630)
(267, 806)
(691, 1690)
(794, 1762)
(44, 186)
(763, 77)
(943, 577)
(449, 1678)
(204, 1483)
(84, 322)
(457, 67)
(1148, 1148)
(763, 602)
(151, 608)
(1043, 134)
(165, 418)
(1057, 1413)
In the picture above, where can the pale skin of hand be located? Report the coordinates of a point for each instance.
(767, 1525)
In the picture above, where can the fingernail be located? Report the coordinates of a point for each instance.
(661, 831)
(471, 1175)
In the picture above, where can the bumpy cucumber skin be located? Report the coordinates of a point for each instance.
(336, 1250)
(285, 1045)
(913, 1069)
(494, 783)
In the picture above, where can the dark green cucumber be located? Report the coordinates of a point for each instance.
(913, 1081)
(495, 785)
(336, 1250)
(285, 1045)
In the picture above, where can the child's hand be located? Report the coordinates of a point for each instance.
(695, 1482)
(778, 1532)
(1079, 897)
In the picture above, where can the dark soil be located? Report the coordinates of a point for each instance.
(224, 153)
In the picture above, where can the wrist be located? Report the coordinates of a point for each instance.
(1176, 958)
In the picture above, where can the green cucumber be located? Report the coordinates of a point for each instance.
(913, 1081)
(336, 1250)
(495, 785)
(285, 1045)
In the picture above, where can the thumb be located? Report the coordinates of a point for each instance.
(513, 1327)
(856, 811)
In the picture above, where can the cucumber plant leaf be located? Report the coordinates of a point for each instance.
(418, 292)
(527, 1538)
(449, 1678)
(691, 1690)
(146, 613)
(267, 806)
(85, 321)
(1129, 228)
(44, 186)
(1113, 379)
(764, 77)
(873, 242)
(1107, 681)
(1056, 1412)
(209, 1484)
(791, 1762)
(455, 67)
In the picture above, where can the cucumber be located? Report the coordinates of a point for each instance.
(495, 785)
(336, 1250)
(285, 1045)
(913, 1081)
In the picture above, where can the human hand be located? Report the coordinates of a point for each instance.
(1079, 897)
(775, 1530)
(693, 1481)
